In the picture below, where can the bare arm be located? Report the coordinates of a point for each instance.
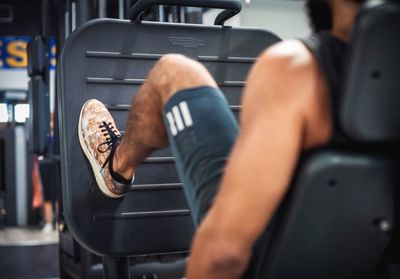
(259, 171)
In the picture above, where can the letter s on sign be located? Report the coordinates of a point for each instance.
(18, 57)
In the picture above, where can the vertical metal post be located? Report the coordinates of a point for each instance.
(45, 17)
(20, 176)
(182, 13)
(127, 7)
(67, 18)
(8, 138)
(121, 9)
(194, 15)
(84, 11)
(62, 32)
(102, 8)
(10, 113)
(116, 268)
(73, 16)
(162, 16)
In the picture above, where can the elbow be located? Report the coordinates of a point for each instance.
(229, 261)
(219, 251)
(222, 265)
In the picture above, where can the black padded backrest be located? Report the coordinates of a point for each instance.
(108, 60)
(37, 59)
(39, 119)
(38, 96)
(337, 218)
(370, 108)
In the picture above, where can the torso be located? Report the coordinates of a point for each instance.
(306, 72)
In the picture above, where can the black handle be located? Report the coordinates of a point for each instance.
(231, 7)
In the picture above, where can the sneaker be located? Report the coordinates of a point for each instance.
(99, 138)
(47, 228)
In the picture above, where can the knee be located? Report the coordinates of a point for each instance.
(174, 58)
(175, 72)
(178, 63)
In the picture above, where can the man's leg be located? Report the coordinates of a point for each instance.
(145, 129)
(180, 101)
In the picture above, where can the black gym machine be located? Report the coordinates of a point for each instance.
(75, 260)
(344, 194)
(338, 219)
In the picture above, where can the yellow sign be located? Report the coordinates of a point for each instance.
(13, 52)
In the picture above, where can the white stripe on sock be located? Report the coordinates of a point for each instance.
(178, 118)
(171, 121)
(187, 117)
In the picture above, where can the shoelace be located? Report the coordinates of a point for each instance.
(112, 137)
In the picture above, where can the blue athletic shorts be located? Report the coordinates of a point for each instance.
(202, 130)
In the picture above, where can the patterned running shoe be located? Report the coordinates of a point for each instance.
(99, 138)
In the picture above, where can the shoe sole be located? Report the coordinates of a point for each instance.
(95, 167)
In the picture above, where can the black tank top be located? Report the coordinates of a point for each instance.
(330, 54)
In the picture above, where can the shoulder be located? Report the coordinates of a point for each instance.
(290, 56)
(285, 75)
(286, 70)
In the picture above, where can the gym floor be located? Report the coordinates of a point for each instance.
(28, 253)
